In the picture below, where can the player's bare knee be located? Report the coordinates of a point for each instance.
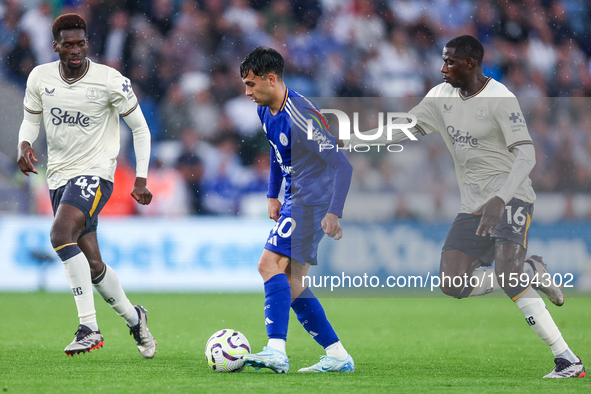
(96, 267)
(60, 236)
(266, 268)
(448, 285)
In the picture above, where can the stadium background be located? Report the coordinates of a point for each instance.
(207, 225)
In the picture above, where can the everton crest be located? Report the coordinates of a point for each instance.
(92, 93)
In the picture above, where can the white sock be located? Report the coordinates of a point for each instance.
(568, 355)
(277, 344)
(112, 292)
(486, 280)
(78, 275)
(336, 350)
(533, 308)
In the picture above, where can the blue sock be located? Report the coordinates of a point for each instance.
(277, 299)
(311, 314)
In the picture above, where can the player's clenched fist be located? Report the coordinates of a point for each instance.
(330, 225)
(274, 208)
(140, 192)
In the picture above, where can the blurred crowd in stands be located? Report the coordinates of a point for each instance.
(209, 151)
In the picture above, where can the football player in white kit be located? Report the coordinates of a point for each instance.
(80, 102)
(483, 126)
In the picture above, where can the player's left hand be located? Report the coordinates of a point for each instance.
(140, 192)
(332, 228)
(491, 212)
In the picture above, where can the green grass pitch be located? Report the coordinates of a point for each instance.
(418, 345)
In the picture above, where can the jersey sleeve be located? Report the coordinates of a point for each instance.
(275, 177)
(510, 119)
(122, 96)
(32, 102)
(428, 119)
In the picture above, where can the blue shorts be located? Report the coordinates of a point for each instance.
(513, 228)
(298, 233)
(87, 193)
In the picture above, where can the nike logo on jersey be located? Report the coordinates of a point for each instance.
(60, 117)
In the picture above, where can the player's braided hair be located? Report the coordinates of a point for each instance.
(467, 46)
(68, 21)
(261, 61)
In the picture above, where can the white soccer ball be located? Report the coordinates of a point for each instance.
(224, 350)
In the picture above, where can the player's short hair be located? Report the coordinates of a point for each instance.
(262, 61)
(68, 21)
(467, 46)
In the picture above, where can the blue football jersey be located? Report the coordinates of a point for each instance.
(307, 163)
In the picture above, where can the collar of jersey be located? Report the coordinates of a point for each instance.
(474, 94)
(71, 81)
(284, 99)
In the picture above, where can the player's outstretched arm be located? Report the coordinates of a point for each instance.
(140, 192)
(26, 156)
(330, 225)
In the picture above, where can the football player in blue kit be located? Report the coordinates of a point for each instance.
(316, 185)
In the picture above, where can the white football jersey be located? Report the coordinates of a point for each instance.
(81, 118)
(479, 130)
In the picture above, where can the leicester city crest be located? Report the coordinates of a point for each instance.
(283, 139)
(92, 93)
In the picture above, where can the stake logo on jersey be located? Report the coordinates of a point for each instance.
(458, 137)
(60, 116)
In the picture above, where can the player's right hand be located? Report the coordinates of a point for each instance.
(140, 192)
(274, 208)
(26, 155)
(332, 228)
(491, 212)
